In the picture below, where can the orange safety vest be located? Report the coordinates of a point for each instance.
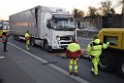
(4, 38)
(27, 36)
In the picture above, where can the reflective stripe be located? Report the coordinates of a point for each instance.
(97, 47)
(27, 38)
(73, 62)
(70, 64)
(96, 50)
(95, 62)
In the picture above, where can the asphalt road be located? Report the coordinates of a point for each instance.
(38, 66)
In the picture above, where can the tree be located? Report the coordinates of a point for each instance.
(78, 13)
(121, 3)
(112, 11)
(75, 13)
(106, 7)
(93, 11)
(81, 13)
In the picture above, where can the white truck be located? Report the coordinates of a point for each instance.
(49, 27)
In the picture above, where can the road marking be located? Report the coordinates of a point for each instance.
(52, 65)
(2, 57)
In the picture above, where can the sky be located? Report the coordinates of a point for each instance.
(9, 7)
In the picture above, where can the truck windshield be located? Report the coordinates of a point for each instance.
(64, 24)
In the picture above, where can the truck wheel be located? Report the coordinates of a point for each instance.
(47, 47)
(120, 66)
(33, 42)
(107, 61)
(14, 37)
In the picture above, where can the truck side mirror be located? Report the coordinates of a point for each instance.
(48, 24)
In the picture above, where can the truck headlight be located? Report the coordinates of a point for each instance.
(55, 44)
(57, 38)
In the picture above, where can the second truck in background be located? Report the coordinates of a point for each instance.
(49, 27)
(4, 27)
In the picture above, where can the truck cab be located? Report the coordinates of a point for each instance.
(56, 28)
(112, 58)
(62, 29)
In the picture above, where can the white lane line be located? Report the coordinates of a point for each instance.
(2, 57)
(52, 65)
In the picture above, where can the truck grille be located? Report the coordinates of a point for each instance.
(65, 38)
(64, 46)
(65, 42)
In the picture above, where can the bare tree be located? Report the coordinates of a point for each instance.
(81, 13)
(106, 7)
(121, 3)
(112, 11)
(75, 13)
(93, 11)
(78, 14)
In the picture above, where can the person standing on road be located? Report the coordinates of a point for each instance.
(94, 50)
(73, 52)
(4, 40)
(27, 40)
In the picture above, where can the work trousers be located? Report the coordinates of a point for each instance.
(5, 46)
(73, 65)
(27, 44)
(95, 62)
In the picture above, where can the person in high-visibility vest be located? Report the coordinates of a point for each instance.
(27, 40)
(4, 40)
(73, 52)
(94, 50)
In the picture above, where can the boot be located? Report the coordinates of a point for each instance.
(70, 72)
(75, 74)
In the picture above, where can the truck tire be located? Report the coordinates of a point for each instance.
(47, 47)
(120, 66)
(107, 61)
(15, 37)
(33, 42)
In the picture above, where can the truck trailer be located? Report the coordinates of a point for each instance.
(49, 27)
